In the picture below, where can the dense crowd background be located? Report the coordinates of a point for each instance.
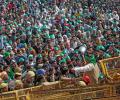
(40, 39)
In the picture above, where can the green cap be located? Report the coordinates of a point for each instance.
(81, 28)
(103, 39)
(94, 29)
(70, 23)
(30, 56)
(56, 48)
(39, 30)
(28, 28)
(62, 61)
(79, 17)
(106, 55)
(47, 36)
(79, 21)
(44, 27)
(100, 47)
(68, 34)
(76, 51)
(6, 54)
(65, 68)
(117, 51)
(29, 33)
(52, 36)
(0, 28)
(64, 52)
(37, 35)
(10, 42)
(101, 76)
(30, 49)
(115, 22)
(39, 56)
(59, 35)
(114, 30)
(61, 54)
(72, 26)
(21, 60)
(68, 58)
(19, 25)
(72, 17)
(66, 27)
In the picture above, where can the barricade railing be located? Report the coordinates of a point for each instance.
(111, 67)
(78, 93)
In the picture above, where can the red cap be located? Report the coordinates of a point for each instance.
(86, 79)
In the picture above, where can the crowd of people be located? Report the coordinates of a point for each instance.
(40, 39)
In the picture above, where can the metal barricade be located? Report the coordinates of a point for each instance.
(8, 96)
(78, 93)
(111, 68)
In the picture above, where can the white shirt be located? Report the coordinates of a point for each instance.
(116, 16)
(85, 68)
